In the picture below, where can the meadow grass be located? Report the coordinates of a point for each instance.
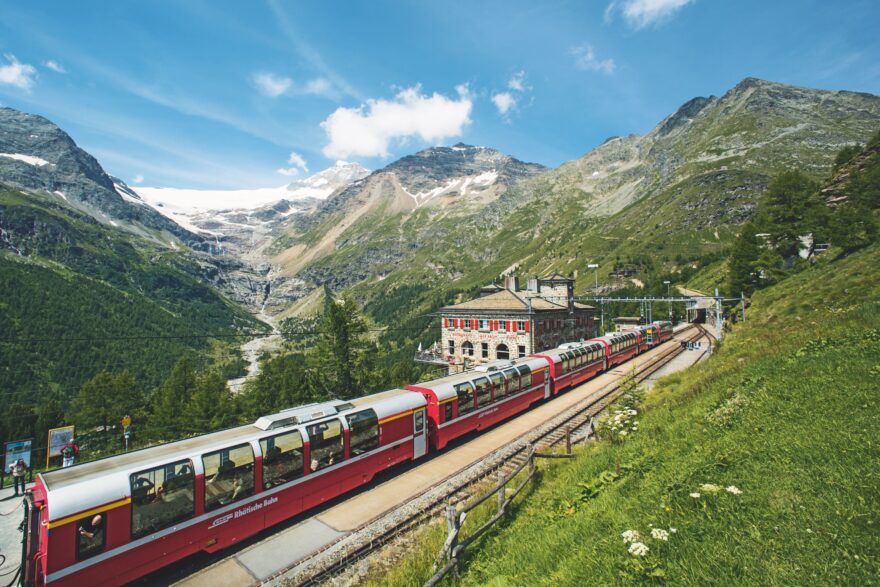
(785, 413)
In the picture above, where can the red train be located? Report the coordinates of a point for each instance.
(114, 520)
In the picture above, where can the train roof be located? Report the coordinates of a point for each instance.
(443, 387)
(74, 489)
(557, 352)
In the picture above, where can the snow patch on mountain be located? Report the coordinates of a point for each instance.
(29, 159)
(462, 186)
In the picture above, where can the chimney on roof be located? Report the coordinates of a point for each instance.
(533, 285)
(510, 283)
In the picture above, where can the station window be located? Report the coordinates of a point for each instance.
(161, 497)
(498, 384)
(521, 350)
(512, 381)
(229, 475)
(521, 326)
(502, 325)
(451, 347)
(363, 432)
(282, 458)
(91, 536)
(327, 444)
(484, 391)
(484, 350)
(465, 394)
(484, 325)
(467, 349)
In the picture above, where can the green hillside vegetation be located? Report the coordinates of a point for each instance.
(760, 466)
(80, 299)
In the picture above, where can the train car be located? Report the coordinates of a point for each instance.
(465, 402)
(664, 330)
(619, 346)
(573, 363)
(114, 520)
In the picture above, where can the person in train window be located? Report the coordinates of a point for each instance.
(224, 472)
(237, 487)
(91, 535)
(185, 470)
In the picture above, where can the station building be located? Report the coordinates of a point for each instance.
(508, 322)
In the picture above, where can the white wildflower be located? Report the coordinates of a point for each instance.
(733, 489)
(660, 534)
(673, 530)
(631, 536)
(710, 488)
(695, 495)
(638, 549)
(623, 432)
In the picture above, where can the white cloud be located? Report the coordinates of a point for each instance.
(137, 178)
(319, 87)
(643, 13)
(297, 162)
(15, 73)
(55, 66)
(504, 102)
(272, 85)
(585, 59)
(369, 129)
(517, 82)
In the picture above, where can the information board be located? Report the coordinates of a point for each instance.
(58, 437)
(18, 449)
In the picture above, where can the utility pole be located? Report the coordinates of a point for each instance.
(742, 297)
(667, 282)
(717, 314)
(595, 268)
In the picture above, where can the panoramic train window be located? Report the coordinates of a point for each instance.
(364, 432)
(484, 392)
(327, 444)
(512, 381)
(465, 394)
(526, 373)
(161, 497)
(91, 536)
(447, 411)
(229, 475)
(498, 383)
(282, 458)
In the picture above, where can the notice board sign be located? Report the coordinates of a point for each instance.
(58, 437)
(18, 449)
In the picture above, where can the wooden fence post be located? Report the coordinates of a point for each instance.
(502, 490)
(568, 440)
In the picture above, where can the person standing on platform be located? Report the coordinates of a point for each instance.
(19, 470)
(69, 452)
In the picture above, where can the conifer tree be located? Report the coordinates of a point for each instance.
(167, 418)
(741, 263)
(211, 406)
(340, 351)
(104, 399)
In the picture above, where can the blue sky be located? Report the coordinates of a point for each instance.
(215, 94)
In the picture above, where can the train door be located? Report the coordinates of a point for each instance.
(546, 382)
(30, 543)
(420, 438)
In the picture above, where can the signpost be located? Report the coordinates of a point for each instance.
(126, 422)
(58, 437)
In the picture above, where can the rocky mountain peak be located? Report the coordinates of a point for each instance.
(35, 154)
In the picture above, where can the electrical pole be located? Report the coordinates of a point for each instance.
(595, 268)
(717, 314)
(742, 297)
(667, 282)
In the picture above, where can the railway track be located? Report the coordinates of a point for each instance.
(574, 423)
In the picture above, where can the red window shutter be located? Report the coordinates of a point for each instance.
(510, 325)
(527, 325)
(460, 323)
(445, 323)
(474, 324)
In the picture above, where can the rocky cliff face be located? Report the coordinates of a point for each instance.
(35, 154)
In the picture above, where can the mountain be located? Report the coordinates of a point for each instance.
(35, 154)
(378, 222)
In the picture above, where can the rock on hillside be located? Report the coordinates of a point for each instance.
(35, 154)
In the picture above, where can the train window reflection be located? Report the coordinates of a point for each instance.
(364, 432)
(327, 444)
(484, 392)
(282, 458)
(229, 475)
(161, 497)
(465, 394)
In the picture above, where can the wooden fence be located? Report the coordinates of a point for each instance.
(453, 547)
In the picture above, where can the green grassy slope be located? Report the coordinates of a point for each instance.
(786, 411)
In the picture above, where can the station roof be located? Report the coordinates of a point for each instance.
(507, 300)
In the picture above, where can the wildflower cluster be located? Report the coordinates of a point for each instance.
(707, 491)
(621, 420)
(640, 565)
